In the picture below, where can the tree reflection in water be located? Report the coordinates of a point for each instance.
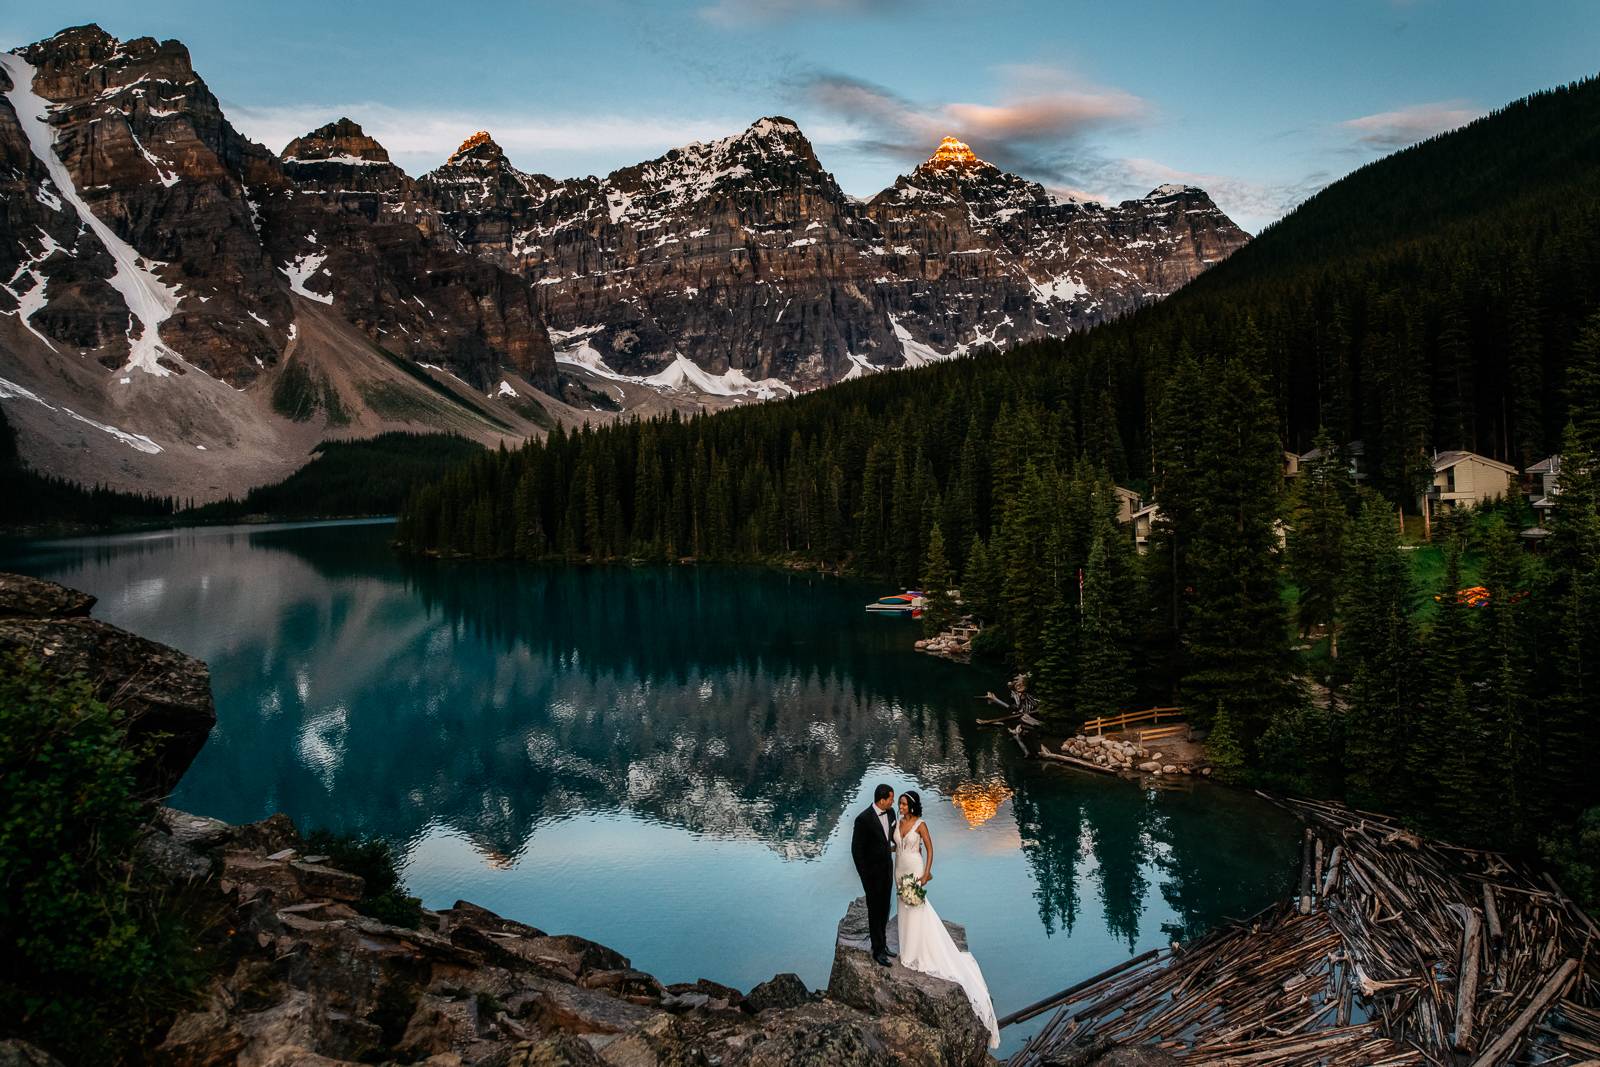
(365, 694)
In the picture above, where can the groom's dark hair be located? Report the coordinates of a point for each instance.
(883, 792)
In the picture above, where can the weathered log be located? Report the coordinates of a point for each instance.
(1491, 916)
(1085, 764)
(1332, 879)
(1467, 980)
(1499, 1051)
(1305, 873)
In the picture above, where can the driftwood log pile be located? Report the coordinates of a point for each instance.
(1394, 950)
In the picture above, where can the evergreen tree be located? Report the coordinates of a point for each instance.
(1380, 646)
(1508, 720)
(1571, 712)
(938, 612)
(1105, 670)
(1318, 517)
(1236, 631)
(1583, 388)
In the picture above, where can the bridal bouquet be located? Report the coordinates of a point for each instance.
(912, 892)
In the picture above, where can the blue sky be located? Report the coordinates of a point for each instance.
(1260, 103)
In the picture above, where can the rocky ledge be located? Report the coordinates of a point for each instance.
(307, 981)
(908, 1005)
(164, 695)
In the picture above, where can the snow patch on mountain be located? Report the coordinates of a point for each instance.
(149, 300)
(301, 270)
(139, 442)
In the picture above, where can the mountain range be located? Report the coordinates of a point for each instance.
(183, 311)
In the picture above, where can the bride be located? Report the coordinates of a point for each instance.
(925, 945)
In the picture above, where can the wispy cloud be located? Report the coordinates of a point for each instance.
(1389, 130)
(1252, 204)
(737, 13)
(421, 140)
(1031, 127)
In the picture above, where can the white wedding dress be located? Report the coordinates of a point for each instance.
(926, 946)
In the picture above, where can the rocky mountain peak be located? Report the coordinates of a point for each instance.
(342, 141)
(480, 147)
(953, 153)
(82, 61)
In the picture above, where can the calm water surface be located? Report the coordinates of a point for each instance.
(665, 760)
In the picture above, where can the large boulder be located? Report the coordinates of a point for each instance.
(164, 695)
(778, 992)
(925, 1019)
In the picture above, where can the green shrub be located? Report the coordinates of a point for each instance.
(384, 897)
(1224, 748)
(96, 956)
(1574, 852)
(991, 642)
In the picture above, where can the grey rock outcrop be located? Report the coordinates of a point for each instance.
(778, 992)
(909, 1006)
(311, 980)
(162, 692)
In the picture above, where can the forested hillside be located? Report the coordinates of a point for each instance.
(1442, 298)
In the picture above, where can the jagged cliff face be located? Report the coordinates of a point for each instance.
(741, 260)
(167, 284)
(143, 230)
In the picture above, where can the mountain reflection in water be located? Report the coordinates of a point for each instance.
(659, 758)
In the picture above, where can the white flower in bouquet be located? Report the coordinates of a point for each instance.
(912, 893)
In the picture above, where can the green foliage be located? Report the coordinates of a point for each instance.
(1303, 752)
(1575, 854)
(365, 476)
(938, 611)
(95, 957)
(1225, 748)
(1377, 603)
(1235, 633)
(384, 896)
(299, 393)
(1319, 515)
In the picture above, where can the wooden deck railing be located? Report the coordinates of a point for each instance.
(1163, 733)
(1129, 718)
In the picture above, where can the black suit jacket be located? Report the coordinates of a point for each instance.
(869, 847)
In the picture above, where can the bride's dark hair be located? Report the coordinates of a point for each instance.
(913, 802)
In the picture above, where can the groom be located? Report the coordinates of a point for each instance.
(872, 847)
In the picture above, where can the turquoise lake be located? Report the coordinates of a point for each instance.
(664, 760)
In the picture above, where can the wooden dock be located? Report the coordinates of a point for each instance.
(1392, 951)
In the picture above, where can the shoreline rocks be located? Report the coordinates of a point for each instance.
(1127, 757)
(954, 643)
(306, 979)
(927, 1020)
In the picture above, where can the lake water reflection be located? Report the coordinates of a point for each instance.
(662, 759)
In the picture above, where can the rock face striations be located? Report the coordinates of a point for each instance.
(742, 260)
(171, 289)
(208, 237)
